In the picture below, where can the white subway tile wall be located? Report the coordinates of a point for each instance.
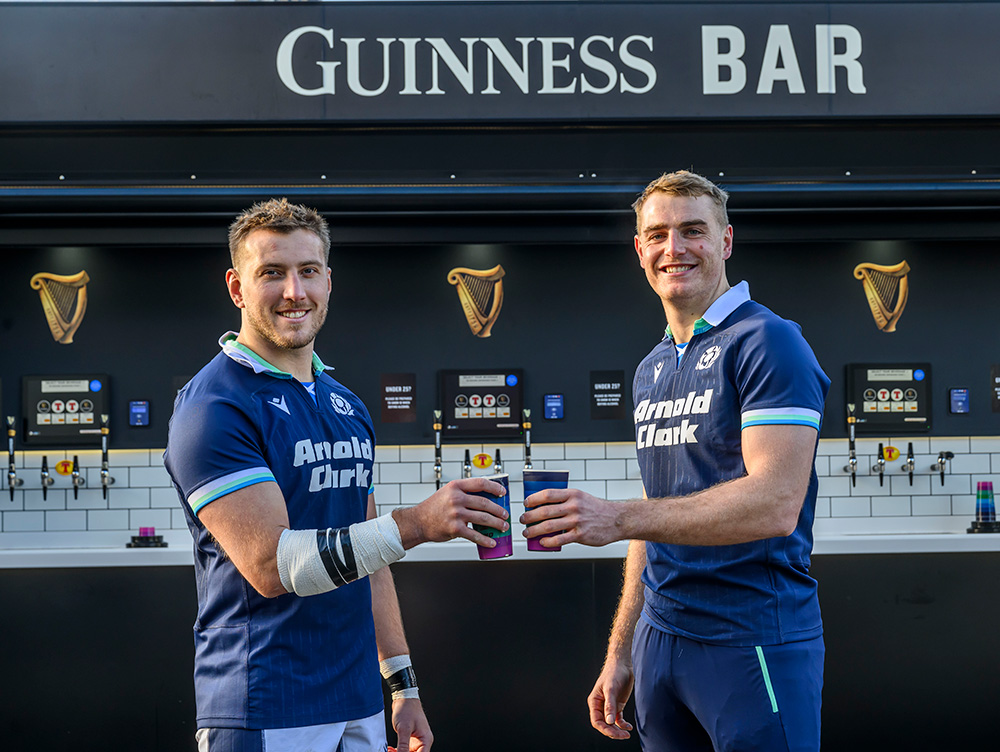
(142, 496)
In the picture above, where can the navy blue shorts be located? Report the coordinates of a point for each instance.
(691, 696)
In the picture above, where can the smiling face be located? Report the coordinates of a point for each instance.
(683, 246)
(282, 285)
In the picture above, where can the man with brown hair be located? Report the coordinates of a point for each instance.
(718, 625)
(273, 460)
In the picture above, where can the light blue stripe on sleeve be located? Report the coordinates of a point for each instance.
(793, 416)
(225, 485)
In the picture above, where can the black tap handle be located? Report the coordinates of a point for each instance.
(106, 478)
(909, 461)
(881, 464)
(11, 465)
(75, 476)
(526, 427)
(942, 458)
(940, 465)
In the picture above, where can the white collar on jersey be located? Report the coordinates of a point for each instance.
(724, 305)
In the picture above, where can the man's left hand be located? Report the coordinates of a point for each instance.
(410, 723)
(568, 515)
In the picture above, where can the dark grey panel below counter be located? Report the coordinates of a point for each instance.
(910, 653)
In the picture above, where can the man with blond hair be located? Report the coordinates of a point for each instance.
(718, 626)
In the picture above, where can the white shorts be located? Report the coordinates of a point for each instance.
(363, 735)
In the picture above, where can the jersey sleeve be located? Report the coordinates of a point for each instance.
(213, 449)
(780, 381)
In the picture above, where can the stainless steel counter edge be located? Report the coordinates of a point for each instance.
(461, 551)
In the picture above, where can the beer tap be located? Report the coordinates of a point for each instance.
(907, 467)
(106, 479)
(942, 463)
(852, 462)
(47, 480)
(526, 424)
(437, 448)
(12, 480)
(78, 479)
(497, 465)
(467, 466)
(879, 466)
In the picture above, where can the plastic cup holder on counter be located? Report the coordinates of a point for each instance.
(147, 538)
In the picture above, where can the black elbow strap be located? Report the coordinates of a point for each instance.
(337, 554)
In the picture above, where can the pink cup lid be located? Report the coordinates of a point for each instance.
(147, 532)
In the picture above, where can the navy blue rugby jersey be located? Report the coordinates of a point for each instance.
(744, 366)
(285, 661)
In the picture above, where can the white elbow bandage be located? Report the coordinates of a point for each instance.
(317, 561)
(377, 544)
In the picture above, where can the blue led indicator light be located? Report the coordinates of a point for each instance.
(919, 374)
(95, 385)
(512, 380)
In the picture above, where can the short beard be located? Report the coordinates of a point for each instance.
(265, 330)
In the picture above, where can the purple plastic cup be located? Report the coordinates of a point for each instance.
(505, 543)
(539, 480)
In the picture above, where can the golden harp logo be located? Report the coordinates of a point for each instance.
(481, 294)
(64, 300)
(886, 289)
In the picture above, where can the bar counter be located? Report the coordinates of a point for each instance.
(179, 553)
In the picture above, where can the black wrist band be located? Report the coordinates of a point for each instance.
(405, 678)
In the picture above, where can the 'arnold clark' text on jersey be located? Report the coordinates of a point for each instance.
(317, 456)
(649, 420)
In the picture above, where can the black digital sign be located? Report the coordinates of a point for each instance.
(64, 409)
(481, 404)
(890, 398)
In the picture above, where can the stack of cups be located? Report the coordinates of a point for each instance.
(986, 515)
(505, 543)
